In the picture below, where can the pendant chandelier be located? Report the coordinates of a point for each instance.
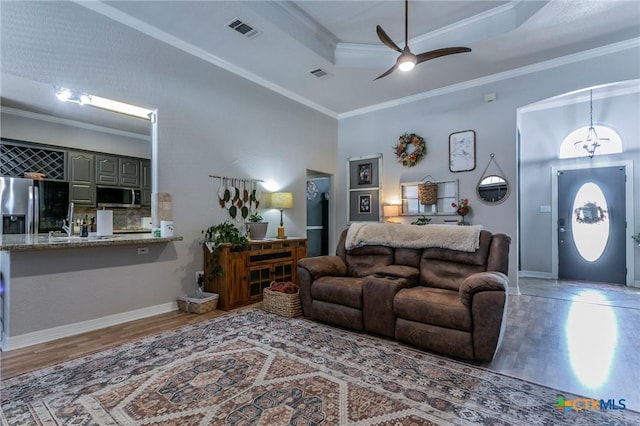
(592, 142)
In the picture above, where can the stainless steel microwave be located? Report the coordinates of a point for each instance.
(109, 196)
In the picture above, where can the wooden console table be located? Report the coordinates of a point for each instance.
(246, 273)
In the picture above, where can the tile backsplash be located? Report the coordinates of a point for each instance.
(122, 218)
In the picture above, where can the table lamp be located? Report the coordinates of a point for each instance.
(390, 211)
(281, 200)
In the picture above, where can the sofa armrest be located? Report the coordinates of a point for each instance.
(321, 266)
(482, 281)
(378, 293)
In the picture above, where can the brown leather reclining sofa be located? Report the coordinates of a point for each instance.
(442, 300)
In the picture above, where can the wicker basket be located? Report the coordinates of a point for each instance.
(428, 193)
(285, 304)
(198, 304)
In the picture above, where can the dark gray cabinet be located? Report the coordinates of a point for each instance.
(107, 170)
(82, 185)
(146, 183)
(129, 172)
(112, 170)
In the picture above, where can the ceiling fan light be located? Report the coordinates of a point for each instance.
(406, 66)
(406, 61)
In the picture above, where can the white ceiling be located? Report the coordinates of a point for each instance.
(339, 37)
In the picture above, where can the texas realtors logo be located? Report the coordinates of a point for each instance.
(589, 404)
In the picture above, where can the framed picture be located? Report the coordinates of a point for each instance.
(462, 151)
(364, 204)
(364, 178)
(364, 173)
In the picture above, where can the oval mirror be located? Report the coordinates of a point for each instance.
(492, 189)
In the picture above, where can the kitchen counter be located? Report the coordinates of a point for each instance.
(23, 242)
(61, 286)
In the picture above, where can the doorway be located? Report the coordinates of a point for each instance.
(318, 199)
(592, 224)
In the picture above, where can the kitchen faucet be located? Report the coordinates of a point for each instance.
(68, 226)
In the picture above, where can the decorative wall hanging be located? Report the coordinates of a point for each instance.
(239, 196)
(462, 151)
(364, 204)
(492, 188)
(364, 174)
(590, 213)
(365, 184)
(428, 191)
(312, 190)
(410, 149)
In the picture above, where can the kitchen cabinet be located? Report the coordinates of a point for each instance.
(239, 276)
(82, 188)
(107, 170)
(117, 171)
(129, 172)
(145, 176)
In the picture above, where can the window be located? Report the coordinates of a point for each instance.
(572, 148)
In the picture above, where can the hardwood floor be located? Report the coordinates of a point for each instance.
(584, 343)
(22, 360)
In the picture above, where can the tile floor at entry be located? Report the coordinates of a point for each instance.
(574, 337)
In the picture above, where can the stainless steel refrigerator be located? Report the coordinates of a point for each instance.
(32, 206)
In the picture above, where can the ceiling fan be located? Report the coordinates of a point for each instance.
(407, 60)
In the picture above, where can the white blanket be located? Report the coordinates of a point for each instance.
(462, 238)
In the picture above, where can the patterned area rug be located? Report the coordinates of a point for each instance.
(255, 368)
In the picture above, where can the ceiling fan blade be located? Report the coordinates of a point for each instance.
(386, 40)
(387, 72)
(441, 52)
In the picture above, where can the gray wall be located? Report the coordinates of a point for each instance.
(495, 123)
(209, 122)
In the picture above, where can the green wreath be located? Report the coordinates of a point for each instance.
(410, 149)
(590, 213)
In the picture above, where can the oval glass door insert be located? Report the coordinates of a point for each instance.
(590, 222)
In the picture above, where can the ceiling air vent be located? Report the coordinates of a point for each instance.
(244, 28)
(320, 73)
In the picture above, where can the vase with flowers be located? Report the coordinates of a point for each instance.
(462, 209)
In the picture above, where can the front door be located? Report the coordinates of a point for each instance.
(592, 224)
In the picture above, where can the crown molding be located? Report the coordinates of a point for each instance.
(482, 26)
(150, 30)
(517, 72)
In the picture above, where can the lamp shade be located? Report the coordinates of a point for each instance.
(282, 200)
(391, 211)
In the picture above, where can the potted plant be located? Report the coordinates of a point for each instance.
(217, 235)
(421, 221)
(256, 228)
(224, 233)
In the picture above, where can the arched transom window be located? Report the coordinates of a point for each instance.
(576, 144)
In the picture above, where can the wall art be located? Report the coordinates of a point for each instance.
(462, 151)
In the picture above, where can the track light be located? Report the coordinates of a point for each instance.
(68, 95)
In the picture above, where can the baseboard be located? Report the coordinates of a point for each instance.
(42, 336)
(535, 274)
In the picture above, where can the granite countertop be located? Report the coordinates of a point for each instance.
(23, 242)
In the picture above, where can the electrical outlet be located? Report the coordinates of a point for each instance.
(200, 277)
